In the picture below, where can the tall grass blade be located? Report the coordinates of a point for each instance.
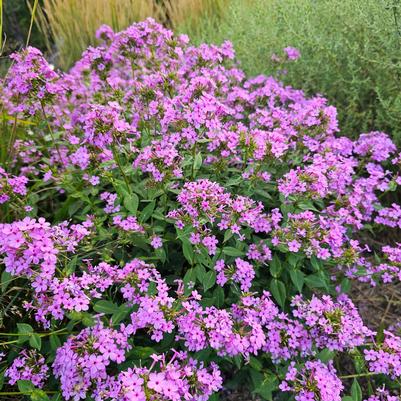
(35, 6)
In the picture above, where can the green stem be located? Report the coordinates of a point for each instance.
(20, 392)
(51, 132)
(8, 342)
(41, 334)
(359, 375)
(12, 140)
(193, 161)
(117, 159)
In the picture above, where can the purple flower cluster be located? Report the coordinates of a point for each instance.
(32, 245)
(205, 202)
(128, 224)
(81, 363)
(335, 325)
(31, 83)
(292, 53)
(313, 382)
(29, 365)
(385, 357)
(180, 378)
(242, 273)
(383, 395)
(11, 186)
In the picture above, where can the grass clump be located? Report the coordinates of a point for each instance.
(72, 23)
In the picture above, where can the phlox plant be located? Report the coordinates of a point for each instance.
(171, 229)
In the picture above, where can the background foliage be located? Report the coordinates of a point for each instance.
(350, 52)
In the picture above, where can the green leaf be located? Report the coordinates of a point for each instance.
(325, 355)
(88, 320)
(35, 341)
(254, 363)
(120, 314)
(347, 398)
(316, 263)
(231, 251)
(54, 341)
(275, 267)
(187, 250)
(279, 292)
(218, 296)
(131, 203)
(190, 276)
(56, 397)
(200, 273)
(268, 386)
(198, 161)
(316, 281)
(25, 330)
(2, 379)
(209, 280)
(147, 212)
(345, 285)
(39, 395)
(25, 386)
(293, 259)
(5, 280)
(298, 279)
(106, 307)
(71, 265)
(356, 391)
(227, 235)
(307, 205)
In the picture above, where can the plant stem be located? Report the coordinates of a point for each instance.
(12, 140)
(117, 159)
(49, 333)
(193, 161)
(20, 392)
(51, 132)
(359, 375)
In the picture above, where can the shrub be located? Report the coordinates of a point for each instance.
(350, 52)
(170, 227)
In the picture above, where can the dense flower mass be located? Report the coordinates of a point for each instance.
(169, 224)
(386, 357)
(335, 325)
(180, 378)
(29, 365)
(315, 381)
(82, 361)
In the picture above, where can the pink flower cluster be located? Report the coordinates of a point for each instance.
(31, 246)
(31, 83)
(128, 224)
(29, 365)
(11, 186)
(335, 325)
(385, 357)
(180, 378)
(242, 273)
(81, 362)
(383, 395)
(206, 203)
(313, 382)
